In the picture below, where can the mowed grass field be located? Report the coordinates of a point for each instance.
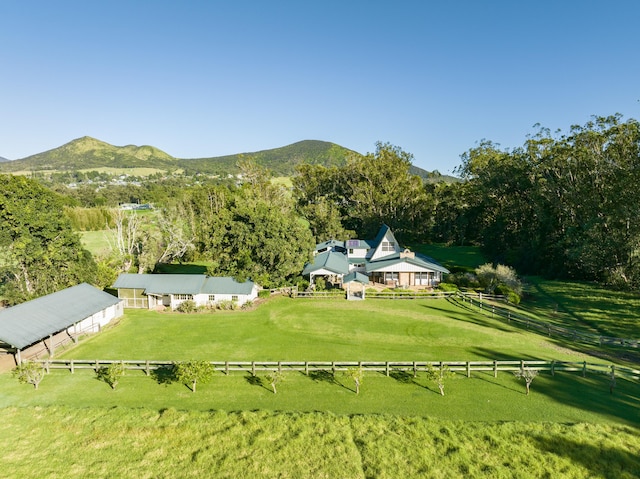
(285, 329)
(316, 426)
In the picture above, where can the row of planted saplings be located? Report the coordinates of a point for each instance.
(193, 372)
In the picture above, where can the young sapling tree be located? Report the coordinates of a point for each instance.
(111, 374)
(439, 375)
(192, 372)
(356, 375)
(275, 377)
(528, 375)
(29, 372)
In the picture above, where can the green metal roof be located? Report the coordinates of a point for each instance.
(329, 260)
(29, 322)
(418, 260)
(183, 284)
(357, 277)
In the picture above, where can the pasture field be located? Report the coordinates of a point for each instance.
(61, 442)
(234, 426)
(96, 242)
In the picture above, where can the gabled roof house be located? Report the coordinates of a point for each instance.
(382, 260)
(170, 290)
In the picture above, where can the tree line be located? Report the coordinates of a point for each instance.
(560, 205)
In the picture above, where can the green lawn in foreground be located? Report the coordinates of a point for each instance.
(288, 329)
(321, 330)
(143, 443)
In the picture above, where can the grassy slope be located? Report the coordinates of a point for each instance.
(169, 443)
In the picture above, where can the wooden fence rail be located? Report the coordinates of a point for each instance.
(388, 368)
(545, 327)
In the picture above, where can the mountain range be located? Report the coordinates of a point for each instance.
(88, 153)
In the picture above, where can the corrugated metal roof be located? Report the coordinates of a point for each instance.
(29, 322)
(357, 277)
(183, 284)
(329, 260)
(418, 260)
(226, 285)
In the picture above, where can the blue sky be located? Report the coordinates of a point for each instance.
(208, 78)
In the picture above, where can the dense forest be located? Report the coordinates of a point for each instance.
(560, 205)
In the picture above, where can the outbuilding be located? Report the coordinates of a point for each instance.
(44, 323)
(170, 290)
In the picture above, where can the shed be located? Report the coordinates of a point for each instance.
(73, 311)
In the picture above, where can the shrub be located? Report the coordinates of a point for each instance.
(247, 304)
(264, 293)
(447, 287)
(188, 306)
(321, 284)
(226, 305)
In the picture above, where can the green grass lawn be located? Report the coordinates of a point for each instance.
(75, 425)
(321, 330)
(325, 330)
(96, 242)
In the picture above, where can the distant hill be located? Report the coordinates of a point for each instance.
(280, 161)
(2, 159)
(86, 153)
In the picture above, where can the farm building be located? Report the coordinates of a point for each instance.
(170, 290)
(46, 322)
(382, 260)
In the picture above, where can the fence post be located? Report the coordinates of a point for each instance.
(468, 369)
(147, 369)
(415, 370)
(509, 316)
(226, 368)
(97, 366)
(386, 365)
(280, 367)
(553, 367)
(72, 368)
(253, 368)
(333, 368)
(584, 369)
(495, 368)
(306, 368)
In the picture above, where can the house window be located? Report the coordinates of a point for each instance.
(388, 246)
(234, 298)
(350, 250)
(183, 297)
(212, 298)
(391, 276)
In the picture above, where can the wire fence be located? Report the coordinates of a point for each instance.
(542, 326)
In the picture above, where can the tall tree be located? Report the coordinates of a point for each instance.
(39, 252)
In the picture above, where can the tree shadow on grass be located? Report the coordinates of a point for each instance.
(322, 375)
(164, 375)
(405, 377)
(601, 461)
(256, 381)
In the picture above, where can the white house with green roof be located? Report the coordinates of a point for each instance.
(382, 260)
(170, 290)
